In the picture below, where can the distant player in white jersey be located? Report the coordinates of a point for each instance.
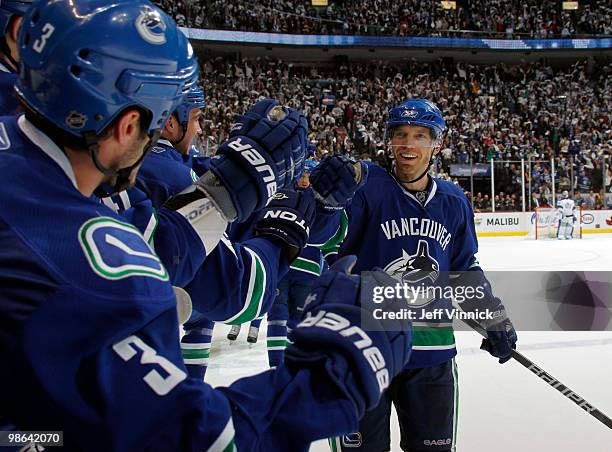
(567, 217)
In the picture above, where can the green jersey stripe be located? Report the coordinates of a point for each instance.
(423, 336)
(277, 343)
(306, 265)
(254, 297)
(195, 353)
(225, 440)
(340, 234)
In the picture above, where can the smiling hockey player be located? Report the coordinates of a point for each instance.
(415, 226)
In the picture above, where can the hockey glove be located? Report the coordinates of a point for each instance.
(336, 179)
(501, 337)
(287, 220)
(265, 152)
(361, 361)
(203, 215)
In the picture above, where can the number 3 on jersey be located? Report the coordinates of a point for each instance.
(128, 348)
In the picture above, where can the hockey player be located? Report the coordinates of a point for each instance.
(415, 226)
(88, 339)
(567, 217)
(11, 16)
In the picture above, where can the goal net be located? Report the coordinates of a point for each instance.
(545, 223)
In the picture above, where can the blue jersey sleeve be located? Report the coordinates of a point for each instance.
(325, 226)
(292, 409)
(159, 191)
(357, 217)
(174, 240)
(104, 367)
(465, 245)
(200, 165)
(244, 275)
(8, 99)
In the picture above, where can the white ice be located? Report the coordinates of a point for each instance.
(503, 408)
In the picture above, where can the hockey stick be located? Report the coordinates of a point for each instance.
(548, 378)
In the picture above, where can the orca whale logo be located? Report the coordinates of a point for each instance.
(420, 266)
(151, 27)
(410, 114)
(415, 269)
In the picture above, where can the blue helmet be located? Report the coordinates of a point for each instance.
(84, 62)
(192, 100)
(310, 165)
(417, 112)
(10, 8)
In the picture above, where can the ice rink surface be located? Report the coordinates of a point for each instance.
(503, 408)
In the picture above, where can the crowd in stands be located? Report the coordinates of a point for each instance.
(530, 111)
(501, 18)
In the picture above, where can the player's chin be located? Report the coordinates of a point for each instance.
(405, 174)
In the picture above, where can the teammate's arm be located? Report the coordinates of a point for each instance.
(357, 216)
(169, 233)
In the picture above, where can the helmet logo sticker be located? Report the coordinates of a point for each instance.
(410, 114)
(76, 120)
(151, 27)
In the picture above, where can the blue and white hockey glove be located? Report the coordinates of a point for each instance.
(501, 337)
(336, 179)
(265, 152)
(361, 361)
(287, 220)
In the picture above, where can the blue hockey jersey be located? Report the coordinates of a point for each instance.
(8, 99)
(89, 332)
(310, 263)
(163, 173)
(171, 236)
(390, 229)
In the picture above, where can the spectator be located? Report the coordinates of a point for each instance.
(497, 18)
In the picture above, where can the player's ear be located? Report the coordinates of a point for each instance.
(127, 128)
(170, 128)
(438, 147)
(14, 28)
